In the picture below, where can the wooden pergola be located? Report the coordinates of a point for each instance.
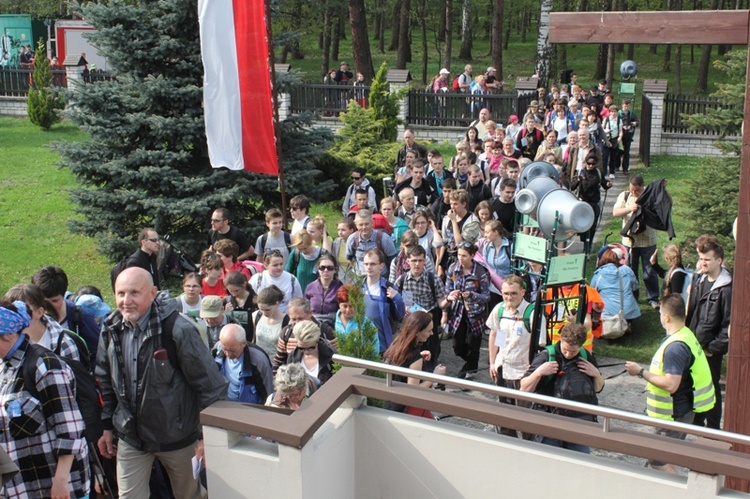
(693, 27)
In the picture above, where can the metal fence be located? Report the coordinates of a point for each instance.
(329, 100)
(677, 104)
(15, 82)
(644, 145)
(451, 109)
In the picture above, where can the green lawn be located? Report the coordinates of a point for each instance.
(641, 344)
(35, 210)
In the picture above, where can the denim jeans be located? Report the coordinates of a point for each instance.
(650, 278)
(565, 445)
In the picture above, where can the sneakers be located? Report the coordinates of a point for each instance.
(654, 304)
(611, 176)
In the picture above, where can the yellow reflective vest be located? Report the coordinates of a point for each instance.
(658, 400)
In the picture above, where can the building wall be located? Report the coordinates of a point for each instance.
(681, 144)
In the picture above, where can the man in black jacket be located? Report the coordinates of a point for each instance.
(708, 312)
(145, 256)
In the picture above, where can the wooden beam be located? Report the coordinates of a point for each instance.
(684, 27)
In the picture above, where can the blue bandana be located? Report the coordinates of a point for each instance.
(14, 322)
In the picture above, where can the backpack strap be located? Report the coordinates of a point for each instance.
(83, 349)
(287, 240)
(167, 339)
(30, 360)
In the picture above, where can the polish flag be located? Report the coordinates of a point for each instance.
(237, 99)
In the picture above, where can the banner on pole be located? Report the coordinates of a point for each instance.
(237, 98)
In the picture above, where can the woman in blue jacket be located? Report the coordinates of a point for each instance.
(607, 283)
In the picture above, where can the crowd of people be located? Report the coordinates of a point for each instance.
(260, 322)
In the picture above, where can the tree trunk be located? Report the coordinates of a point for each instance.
(381, 39)
(631, 51)
(360, 42)
(342, 23)
(325, 49)
(601, 62)
(678, 69)
(423, 29)
(297, 27)
(652, 48)
(506, 40)
(378, 21)
(666, 64)
(542, 67)
(448, 36)
(466, 36)
(335, 38)
(701, 82)
(395, 25)
(404, 45)
(497, 39)
(609, 74)
(441, 28)
(524, 23)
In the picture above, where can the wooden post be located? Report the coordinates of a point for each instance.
(690, 27)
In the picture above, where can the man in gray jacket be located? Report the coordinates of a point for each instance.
(156, 376)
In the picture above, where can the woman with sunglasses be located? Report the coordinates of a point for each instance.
(313, 351)
(322, 292)
(468, 286)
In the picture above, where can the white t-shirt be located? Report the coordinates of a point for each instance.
(513, 340)
(286, 282)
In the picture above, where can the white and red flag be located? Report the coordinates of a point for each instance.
(237, 99)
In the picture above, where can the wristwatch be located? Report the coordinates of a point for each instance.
(640, 373)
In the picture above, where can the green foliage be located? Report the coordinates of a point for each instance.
(711, 211)
(43, 101)
(714, 197)
(385, 104)
(146, 161)
(360, 343)
(727, 119)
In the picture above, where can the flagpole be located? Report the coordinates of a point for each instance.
(276, 124)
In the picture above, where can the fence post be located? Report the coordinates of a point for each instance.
(523, 87)
(398, 79)
(285, 99)
(655, 90)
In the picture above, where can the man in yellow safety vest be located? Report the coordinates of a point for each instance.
(679, 379)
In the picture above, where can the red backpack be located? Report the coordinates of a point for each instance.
(457, 84)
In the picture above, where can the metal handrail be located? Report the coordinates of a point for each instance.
(605, 413)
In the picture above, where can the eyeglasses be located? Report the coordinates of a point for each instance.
(355, 178)
(326, 268)
(294, 208)
(465, 245)
(272, 251)
(191, 286)
(152, 239)
(216, 220)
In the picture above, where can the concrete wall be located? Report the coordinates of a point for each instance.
(363, 452)
(13, 106)
(682, 144)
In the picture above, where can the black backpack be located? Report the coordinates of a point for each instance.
(572, 384)
(287, 240)
(88, 394)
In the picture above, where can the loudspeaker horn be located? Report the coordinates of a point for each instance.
(537, 169)
(527, 200)
(574, 216)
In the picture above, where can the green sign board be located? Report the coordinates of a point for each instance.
(565, 269)
(530, 248)
(627, 88)
(527, 221)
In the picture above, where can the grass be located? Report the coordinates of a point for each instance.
(641, 343)
(35, 210)
(518, 60)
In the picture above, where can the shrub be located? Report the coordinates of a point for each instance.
(43, 101)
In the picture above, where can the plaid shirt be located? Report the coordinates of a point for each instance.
(68, 347)
(422, 293)
(47, 429)
(477, 282)
(644, 239)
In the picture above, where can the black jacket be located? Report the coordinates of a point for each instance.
(476, 193)
(708, 314)
(424, 194)
(145, 261)
(655, 211)
(589, 185)
(325, 359)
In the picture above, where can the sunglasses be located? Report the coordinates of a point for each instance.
(152, 239)
(465, 245)
(274, 252)
(356, 178)
(216, 220)
(326, 268)
(308, 349)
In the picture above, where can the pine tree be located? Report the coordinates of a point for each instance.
(146, 162)
(44, 101)
(361, 342)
